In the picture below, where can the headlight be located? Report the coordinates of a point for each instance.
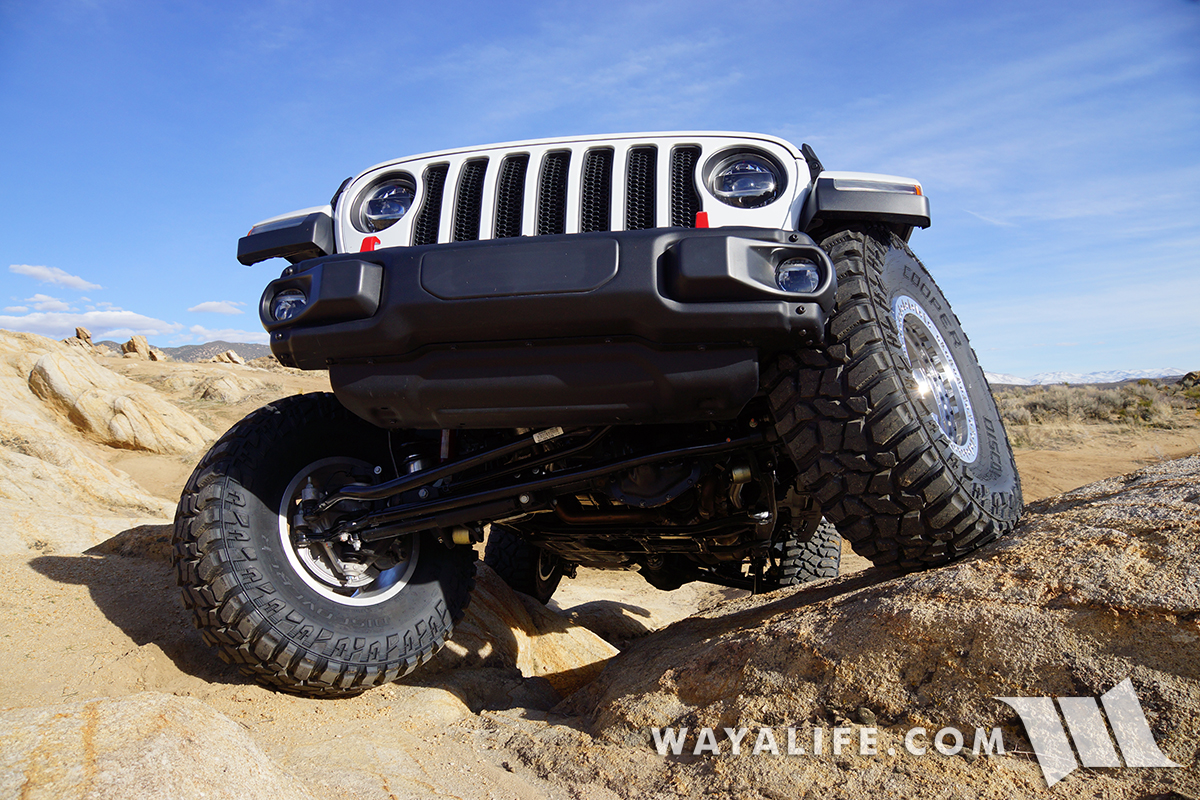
(287, 304)
(385, 204)
(746, 180)
(798, 275)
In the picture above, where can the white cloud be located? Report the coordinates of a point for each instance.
(55, 276)
(16, 310)
(103, 324)
(218, 307)
(999, 222)
(227, 335)
(44, 302)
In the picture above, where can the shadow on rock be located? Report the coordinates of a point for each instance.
(613, 621)
(506, 630)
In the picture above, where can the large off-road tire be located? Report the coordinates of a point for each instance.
(307, 619)
(891, 423)
(819, 557)
(523, 566)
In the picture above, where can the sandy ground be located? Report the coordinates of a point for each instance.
(78, 626)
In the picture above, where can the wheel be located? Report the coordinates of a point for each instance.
(819, 557)
(891, 423)
(322, 618)
(523, 566)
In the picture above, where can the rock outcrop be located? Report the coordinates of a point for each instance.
(230, 388)
(137, 346)
(113, 409)
(1095, 587)
(54, 495)
(148, 745)
(228, 357)
(82, 340)
(503, 628)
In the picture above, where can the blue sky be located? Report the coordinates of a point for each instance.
(1059, 143)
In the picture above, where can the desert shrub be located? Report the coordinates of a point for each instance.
(1144, 403)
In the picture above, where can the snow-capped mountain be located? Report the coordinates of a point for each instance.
(1008, 380)
(1114, 376)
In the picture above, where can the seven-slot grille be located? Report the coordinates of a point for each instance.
(560, 190)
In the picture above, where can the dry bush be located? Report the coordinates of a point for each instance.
(1037, 415)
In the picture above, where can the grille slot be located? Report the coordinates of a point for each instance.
(685, 202)
(639, 188)
(470, 201)
(425, 228)
(510, 196)
(552, 194)
(595, 199)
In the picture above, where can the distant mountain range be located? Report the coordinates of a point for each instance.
(1115, 376)
(201, 352)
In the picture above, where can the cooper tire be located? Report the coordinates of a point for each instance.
(277, 610)
(909, 479)
(819, 557)
(523, 566)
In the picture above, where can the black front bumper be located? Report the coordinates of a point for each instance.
(662, 325)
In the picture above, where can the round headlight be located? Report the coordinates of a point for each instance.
(385, 204)
(287, 304)
(746, 180)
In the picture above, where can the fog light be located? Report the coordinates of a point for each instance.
(798, 275)
(288, 304)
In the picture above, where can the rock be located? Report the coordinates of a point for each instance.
(81, 340)
(1095, 586)
(150, 745)
(113, 409)
(137, 345)
(228, 357)
(269, 363)
(158, 355)
(79, 501)
(1191, 380)
(503, 628)
(79, 344)
(51, 491)
(229, 388)
(140, 541)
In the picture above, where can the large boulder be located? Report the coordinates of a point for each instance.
(137, 346)
(149, 745)
(113, 409)
(1095, 587)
